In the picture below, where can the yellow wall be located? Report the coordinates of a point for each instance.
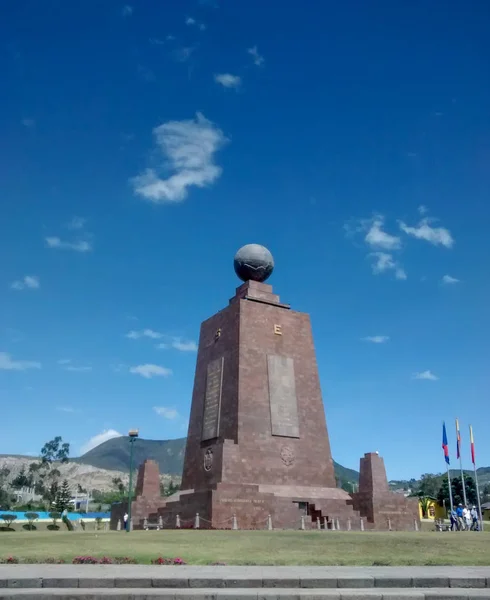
(435, 511)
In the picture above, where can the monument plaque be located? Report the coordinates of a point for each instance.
(212, 400)
(282, 396)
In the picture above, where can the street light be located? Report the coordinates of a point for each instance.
(133, 434)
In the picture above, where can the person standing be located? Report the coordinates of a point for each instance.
(459, 514)
(126, 521)
(475, 525)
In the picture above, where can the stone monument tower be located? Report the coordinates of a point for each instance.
(257, 443)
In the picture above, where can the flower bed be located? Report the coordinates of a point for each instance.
(90, 560)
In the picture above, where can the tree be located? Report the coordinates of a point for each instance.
(63, 497)
(54, 516)
(457, 491)
(31, 517)
(9, 519)
(22, 479)
(51, 493)
(119, 485)
(425, 503)
(429, 485)
(81, 490)
(55, 451)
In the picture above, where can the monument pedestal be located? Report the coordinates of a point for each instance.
(257, 444)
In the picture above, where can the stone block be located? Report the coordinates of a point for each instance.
(318, 582)
(467, 582)
(281, 582)
(96, 582)
(35, 582)
(208, 582)
(430, 582)
(164, 582)
(355, 582)
(392, 582)
(60, 582)
(132, 582)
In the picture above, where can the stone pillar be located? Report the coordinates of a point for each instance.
(196, 521)
(177, 522)
(302, 526)
(362, 524)
(389, 524)
(145, 523)
(333, 524)
(118, 527)
(148, 481)
(269, 523)
(338, 524)
(349, 524)
(416, 525)
(160, 522)
(234, 523)
(318, 524)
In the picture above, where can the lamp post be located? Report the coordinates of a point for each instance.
(133, 434)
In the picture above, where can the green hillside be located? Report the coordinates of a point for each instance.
(169, 454)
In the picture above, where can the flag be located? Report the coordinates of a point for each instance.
(458, 441)
(445, 447)
(472, 443)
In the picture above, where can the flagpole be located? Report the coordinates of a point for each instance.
(476, 477)
(458, 442)
(446, 458)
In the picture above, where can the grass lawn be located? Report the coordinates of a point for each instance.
(258, 547)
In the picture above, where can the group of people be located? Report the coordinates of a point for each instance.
(464, 519)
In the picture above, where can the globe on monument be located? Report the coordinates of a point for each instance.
(253, 262)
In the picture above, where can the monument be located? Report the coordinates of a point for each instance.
(257, 448)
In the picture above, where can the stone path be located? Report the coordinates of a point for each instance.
(128, 582)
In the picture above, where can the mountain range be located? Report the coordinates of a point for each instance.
(169, 454)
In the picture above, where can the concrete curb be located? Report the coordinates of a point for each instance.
(246, 594)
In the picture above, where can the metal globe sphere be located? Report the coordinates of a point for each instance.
(253, 262)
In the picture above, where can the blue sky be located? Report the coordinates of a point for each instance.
(144, 143)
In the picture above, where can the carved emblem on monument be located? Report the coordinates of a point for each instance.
(208, 459)
(287, 455)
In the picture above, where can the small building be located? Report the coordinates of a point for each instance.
(485, 508)
(433, 509)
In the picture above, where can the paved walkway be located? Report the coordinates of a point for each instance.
(251, 578)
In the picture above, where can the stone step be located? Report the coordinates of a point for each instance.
(245, 594)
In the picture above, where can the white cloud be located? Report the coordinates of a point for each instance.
(167, 413)
(68, 365)
(184, 346)
(426, 375)
(438, 236)
(191, 21)
(183, 54)
(254, 53)
(376, 339)
(384, 262)
(98, 439)
(148, 371)
(77, 223)
(8, 364)
(448, 279)
(67, 409)
(187, 149)
(30, 282)
(378, 238)
(29, 123)
(423, 209)
(228, 81)
(127, 11)
(80, 246)
(149, 333)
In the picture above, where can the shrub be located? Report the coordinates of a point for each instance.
(85, 560)
(9, 519)
(10, 560)
(125, 560)
(167, 561)
(55, 516)
(106, 560)
(31, 517)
